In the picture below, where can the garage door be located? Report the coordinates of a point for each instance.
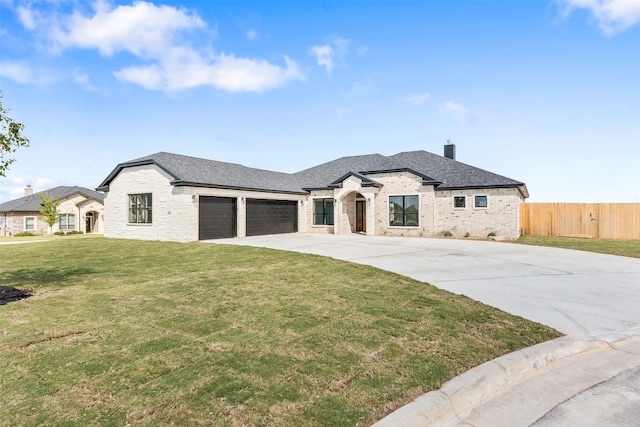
(217, 217)
(271, 217)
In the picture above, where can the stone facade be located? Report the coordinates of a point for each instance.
(437, 215)
(77, 205)
(499, 219)
(175, 209)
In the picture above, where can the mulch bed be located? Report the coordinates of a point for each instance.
(9, 294)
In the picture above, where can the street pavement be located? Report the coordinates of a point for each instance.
(589, 377)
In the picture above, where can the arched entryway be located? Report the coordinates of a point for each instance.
(353, 213)
(91, 221)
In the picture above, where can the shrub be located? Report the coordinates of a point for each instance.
(59, 233)
(75, 232)
(25, 234)
(492, 234)
(467, 234)
(446, 233)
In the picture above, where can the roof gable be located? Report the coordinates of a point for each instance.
(32, 202)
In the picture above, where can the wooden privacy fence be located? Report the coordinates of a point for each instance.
(596, 220)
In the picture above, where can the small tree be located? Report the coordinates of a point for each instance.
(49, 212)
(10, 138)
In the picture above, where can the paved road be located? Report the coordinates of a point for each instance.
(581, 294)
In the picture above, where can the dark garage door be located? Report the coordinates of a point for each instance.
(271, 217)
(217, 217)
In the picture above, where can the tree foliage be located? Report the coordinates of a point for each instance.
(11, 138)
(49, 212)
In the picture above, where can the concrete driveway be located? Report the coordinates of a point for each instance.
(590, 377)
(577, 293)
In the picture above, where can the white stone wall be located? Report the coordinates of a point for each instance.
(175, 209)
(404, 184)
(501, 216)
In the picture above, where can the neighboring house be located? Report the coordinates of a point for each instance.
(80, 209)
(168, 196)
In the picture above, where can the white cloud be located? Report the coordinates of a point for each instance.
(155, 34)
(17, 72)
(612, 16)
(142, 29)
(337, 49)
(418, 99)
(252, 34)
(324, 56)
(84, 81)
(458, 111)
(225, 72)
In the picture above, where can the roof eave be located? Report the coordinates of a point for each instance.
(180, 183)
(104, 186)
(518, 185)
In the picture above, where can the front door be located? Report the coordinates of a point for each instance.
(361, 216)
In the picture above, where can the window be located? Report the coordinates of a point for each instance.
(30, 223)
(67, 222)
(403, 211)
(481, 201)
(459, 201)
(323, 212)
(140, 208)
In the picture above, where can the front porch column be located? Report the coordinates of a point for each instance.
(371, 215)
(336, 213)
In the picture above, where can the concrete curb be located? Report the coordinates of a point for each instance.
(458, 397)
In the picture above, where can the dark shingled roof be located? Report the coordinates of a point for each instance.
(444, 173)
(194, 171)
(32, 203)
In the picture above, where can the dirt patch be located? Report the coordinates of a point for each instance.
(9, 294)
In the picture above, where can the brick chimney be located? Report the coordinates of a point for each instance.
(28, 191)
(450, 150)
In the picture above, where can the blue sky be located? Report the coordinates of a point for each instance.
(543, 91)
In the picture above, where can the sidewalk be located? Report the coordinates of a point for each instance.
(521, 388)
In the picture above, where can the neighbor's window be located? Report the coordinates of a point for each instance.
(140, 208)
(67, 222)
(30, 223)
(481, 201)
(403, 211)
(459, 201)
(323, 212)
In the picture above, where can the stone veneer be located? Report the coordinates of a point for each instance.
(76, 204)
(175, 209)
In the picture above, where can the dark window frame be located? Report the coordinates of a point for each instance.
(326, 216)
(457, 200)
(477, 202)
(141, 208)
(398, 211)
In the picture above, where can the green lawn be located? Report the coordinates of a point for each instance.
(630, 248)
(153, 333)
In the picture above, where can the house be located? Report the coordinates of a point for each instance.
(80, 209)
(168, 196)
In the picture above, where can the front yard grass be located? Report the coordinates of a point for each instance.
(124, 332)
(630, 248)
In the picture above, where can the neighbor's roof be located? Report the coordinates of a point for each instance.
(444, 173)
(32, 203)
